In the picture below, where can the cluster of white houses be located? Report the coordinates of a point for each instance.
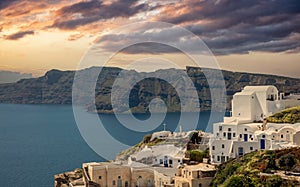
(159, 165)
(244, 131)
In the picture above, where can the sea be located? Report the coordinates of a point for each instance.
(39, 141)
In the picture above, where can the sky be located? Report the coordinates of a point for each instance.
(261, 36)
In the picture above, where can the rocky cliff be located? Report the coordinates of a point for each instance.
(55, 87)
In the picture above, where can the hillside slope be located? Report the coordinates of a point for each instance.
(289, 115)
(255, 169)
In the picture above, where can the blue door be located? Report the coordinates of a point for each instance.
(246, 137)
(166, 161)
(262, 144)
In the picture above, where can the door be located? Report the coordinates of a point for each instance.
(262, 144)
(140, 181)
(240, 151)
(229, 136)
(222, 159)
(119, 182)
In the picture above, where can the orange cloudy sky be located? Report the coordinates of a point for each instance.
(254, 36)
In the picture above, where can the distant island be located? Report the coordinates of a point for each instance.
(12, 77)
(55, 87)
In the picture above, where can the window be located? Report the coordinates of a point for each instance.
(218, 158)
(223, 146)
(251, 148)
(287, 131)
(119, 177)
(227, 158)
(200, 185)
(229, 129)
(220, 128)
(281, 136)
(241, 135)
(160, 161)
(213, 147)
(126, 184)
(178, 161)
(99, 177)
(113, 182)
(170, 161)
(233, 134)
(246, 129)
(263, 136)
(217, 134)
(224, 134)
(213, 156)
(190, 173)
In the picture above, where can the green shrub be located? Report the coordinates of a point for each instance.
(274, 181)
(197, 155)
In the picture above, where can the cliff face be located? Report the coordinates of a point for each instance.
(55, 87)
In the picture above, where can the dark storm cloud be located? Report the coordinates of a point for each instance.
(226, 26)
(231, 26)
(18, 35)
(241, 26)
(92, 11)
(235, 11)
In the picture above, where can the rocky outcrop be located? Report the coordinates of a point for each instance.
(64, 179)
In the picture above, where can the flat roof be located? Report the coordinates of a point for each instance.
(201, 167)
(166, 171)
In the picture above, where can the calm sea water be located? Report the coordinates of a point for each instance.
(38, 141)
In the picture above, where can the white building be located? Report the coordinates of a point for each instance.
(161, 155)
(246, 130)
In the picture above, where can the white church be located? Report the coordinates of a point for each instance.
(246, 130)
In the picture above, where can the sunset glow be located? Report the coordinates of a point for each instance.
(251, 36)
